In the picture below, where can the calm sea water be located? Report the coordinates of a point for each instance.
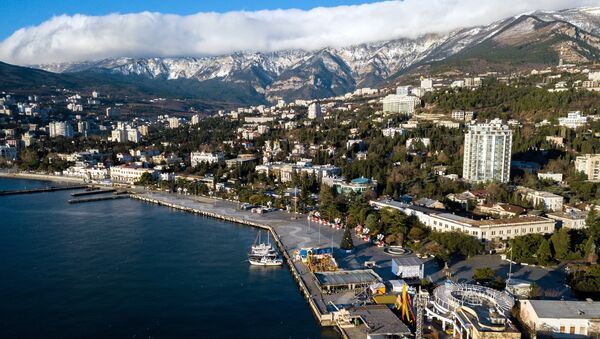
(125, 269)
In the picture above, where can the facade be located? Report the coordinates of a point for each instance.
(487, 152)
(196, 158)
(485, 230)
(557, 177)
(358, 185)
(573, 120)
(285, 172)
(391, 132)
(549, 201)
(314, 110)
(427, 84)
(408, 267)
(569, 219)
(127, 174)
(561, 318)
(589, 164)
(404, 104)
(8, 152)
(60, 128)
(195, 119)
(173, 122)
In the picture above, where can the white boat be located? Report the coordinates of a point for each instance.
(261, 249)
(265, 261)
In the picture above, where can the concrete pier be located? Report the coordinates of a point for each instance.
(110, 197)
(93, 192)
(41, 190)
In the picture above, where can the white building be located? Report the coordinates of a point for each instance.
(589, 165)
(487, 152)
(573, 120)
(403, 90)
(391, 132)
(173, 122)
(196, 158)
(127, 174)
(133, 135)
(569, 219)
(549, 201)
(427, 84)
(488, 229)
(562, 318)
(195, 119)
(60, 128)
(557, 177)
(394, 103)
(314, 110)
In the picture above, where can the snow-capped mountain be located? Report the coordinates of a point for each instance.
(333, 71)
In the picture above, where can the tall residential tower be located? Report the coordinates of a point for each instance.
(487, 152)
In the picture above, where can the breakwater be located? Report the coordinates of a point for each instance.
(41, 190)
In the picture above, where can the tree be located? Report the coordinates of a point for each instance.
(347, 243)
(416, 234)
(483, 275)
(561, 242)
(544, 253)
(498, 283)
(146, 179)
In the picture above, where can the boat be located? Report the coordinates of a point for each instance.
(265, 261)
(263, 254)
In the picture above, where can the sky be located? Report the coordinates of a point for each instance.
(37, 31)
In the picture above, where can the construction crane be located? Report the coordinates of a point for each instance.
(421, 301)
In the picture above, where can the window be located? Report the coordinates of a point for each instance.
(572, 330)
(562, 329)
(531, 230)
(501, 232)
(582, 330)
(507, 231)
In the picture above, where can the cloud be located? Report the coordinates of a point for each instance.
(80, 37)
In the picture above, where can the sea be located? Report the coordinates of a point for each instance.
(127, 269)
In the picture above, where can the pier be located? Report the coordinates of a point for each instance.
(93, 192)
(41, 190)
(110, 197)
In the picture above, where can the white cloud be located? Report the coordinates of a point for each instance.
(79, 37)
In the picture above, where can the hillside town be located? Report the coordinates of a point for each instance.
(503, 167)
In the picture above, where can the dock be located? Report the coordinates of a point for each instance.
(41, 190)
(110, 197)
(93, 192)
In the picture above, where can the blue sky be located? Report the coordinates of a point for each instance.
(22, 13)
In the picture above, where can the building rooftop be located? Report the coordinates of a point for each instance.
(408, 261)
(380, 320)
(566, 309)
(343, 278)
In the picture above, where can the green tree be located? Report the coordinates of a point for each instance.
(483, 275)
(561, 242)
(544, 253)
(347, 243)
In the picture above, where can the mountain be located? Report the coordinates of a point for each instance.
(539, 38)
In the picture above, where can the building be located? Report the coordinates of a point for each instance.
(427, 84)
(487, 152)
(126, 174)
(394, 103)
(463, 115)
(485, 230)
(143, 129)
(314, 110)
(589, 165)
(196, 158)
(573, 120)
(500, 210)
(8, 152)
(195, 119)
(358, 185)
(548, 201)
(569, 219)
(408, 267)
(285, 172)
(60, 128)
(561, 318)
(556, 177)
(173, 122)
(391, 132)
(118, 135)
(403, 90)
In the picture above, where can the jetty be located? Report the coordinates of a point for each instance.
(93, 192)
(41, 190)
(110, 197)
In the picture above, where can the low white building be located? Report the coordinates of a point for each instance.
(573, 120)
(561, 318)
(557, 177)
(549, 201)
(569, 219)
(127, 174)
(196, 158)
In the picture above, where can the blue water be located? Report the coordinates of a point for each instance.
(125, 269)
